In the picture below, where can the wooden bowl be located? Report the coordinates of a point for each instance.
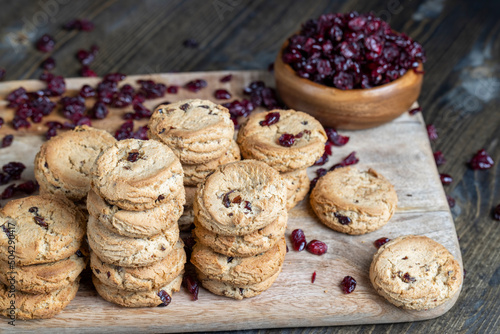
(347, 109)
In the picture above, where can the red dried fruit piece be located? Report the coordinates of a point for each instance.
(496, 212)
(270, 119)
(222, 94)
(151, 90)
(451, 201)
(237, 200)
(317, 247)
(190, 43)
(313, 277)
(46, 43)
(195, 85)
(286, 140)
(322, 160)
(99, 111)
(446, 179)
(439, 158)
(335, 138)
(298, 240)
(85, 57)
(415, 111)
(141, 133)
(381, 241)
(39, 220)
(344, 220)
(348, 284)
(87, 72)
(164, 297)
(28, 187)
(192, 285)
(86, 91)
(319, 172)
(481, 160)
(114, 77)
(351, 159)
(8, 192)
(48, 64)
(172, 89)
(225, 199)
(14, 169)
(17, 97)
(432, 132)
(226, 78)
(407, 278)
(125, 131)
(133, 156)
(248, 206)
(7, 141)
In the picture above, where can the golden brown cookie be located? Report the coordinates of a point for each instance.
(351, 201)
(63, 164)
(36, 306)
(238, 271)
(148, 298)
(415, 272)
(138, 175)
(247, 245)
(262, 142)
(236, 292)
(46, 229)
(124, 251)
(195, 174)
(239, 198)
(43, 278)
(135, 224)
(151, 277)
(297, 186)
(196, 130)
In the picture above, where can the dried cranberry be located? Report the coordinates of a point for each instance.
(28, 187)
(46, 43)
(87, 72)
(446, 179)
(152, 90)
(192, 285)
(48, 64)
(351, 159)
(348, 284)
(439, 158)
(7, 141)
(164, 297)
(432, 132)
(316, 247)
(85, 57)
(451, 201)
(226, 78)
(322, 160)
(125, 131)
(8, 192)
(407, 278)
(86, 91)
(496, 212)
(222, 94)
(4, 179)
(133, 156)
(344, 220)
(39, 220)
(195, 85)
(286, 140)
(319, 173)
(14, 169)
(241, 108)
(172, 89)
(79, 24)
(380, 242)
(298, 240)
(270, 119)
(313, 277)
(335, 138)
(114, 77)
(56, 86)
(481, 160)
(17, 97)
(415, 111)
(225, 199)
(141, 133)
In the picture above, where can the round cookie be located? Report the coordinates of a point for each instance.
(355, 202)
(130, 252)
(239, 271)
(247, 245)
(151, 277)
(415, 272)
(297, 186)
(148, 298)
(240, 198)
(138, 175)
(261, 142)
(44, 278)
(236, 292)
(196, 130)
(135, 224)
(47, 229)
(63, 164)
(37, 306)
(195, 174)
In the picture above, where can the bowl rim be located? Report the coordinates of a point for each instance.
(347, 91)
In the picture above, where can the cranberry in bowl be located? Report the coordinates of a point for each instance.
(350, 71)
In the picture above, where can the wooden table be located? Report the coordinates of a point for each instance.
(460, 94)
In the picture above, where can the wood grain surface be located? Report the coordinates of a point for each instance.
(460, 94)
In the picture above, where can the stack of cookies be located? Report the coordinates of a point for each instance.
(287, 140)
(137, 196)
(240, 221)
(40, 256)
(63, 164)
(200, 133)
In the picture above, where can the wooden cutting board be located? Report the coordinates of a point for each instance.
(400, 150)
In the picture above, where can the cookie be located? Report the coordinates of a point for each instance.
(238, 270)
(194, 174)
(43, 278)
(351, 201)
(36, 306)
(138, 175)
(63, 164)
(148, 298)
(247, 245)
(239, 198)
(124, 251)
(236, 292)
(46, 229)
(151, 277)
(415, 272)
(262, 142)
(135, 224)
(196, 130)
(297, 186)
